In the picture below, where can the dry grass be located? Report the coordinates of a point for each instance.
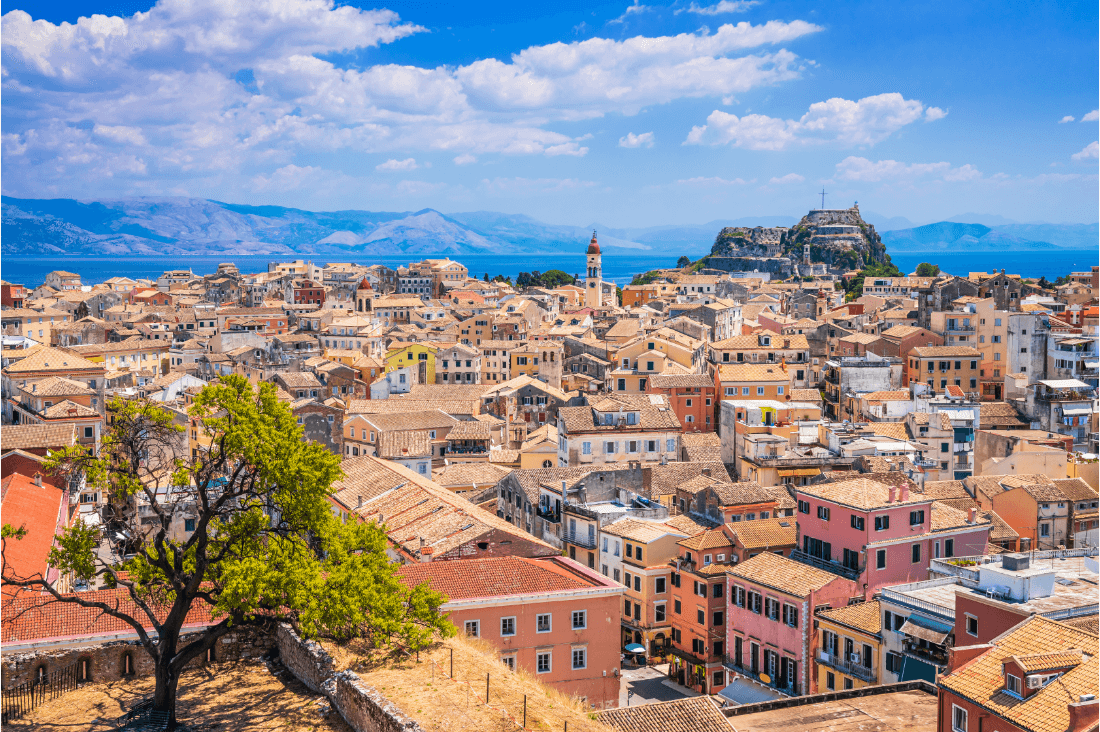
(426, 693)
(227, 697)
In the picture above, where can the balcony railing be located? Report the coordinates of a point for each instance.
(829, 566)
(549, 514)
(929, 653)
(847, 666)
(782, 686)
(584, 540)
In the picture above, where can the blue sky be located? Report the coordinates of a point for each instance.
(629, 115)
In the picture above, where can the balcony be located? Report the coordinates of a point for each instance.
(847, 666)
(851, 573)
(549, 514)
(583, 540)
(788, 688)
(924, 651)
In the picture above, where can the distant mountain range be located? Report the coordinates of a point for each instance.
(952, 236)
(192, 226)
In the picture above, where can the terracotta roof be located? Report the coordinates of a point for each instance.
(710, 439)
(944, 352)
(468, 474)
(899, 395)
(68, 408)
(639, 530)
(677, 381)
(36, 617)
(1036, 662)
(1088, 623)
(665, 479)
(45, 358)
(982, 680)
(946, 517)
(753, 372)
(397, 444)
(1075, 489)
(709, 539)
(894, 430)
(412, 420)
(57, 386)
(863, 616)
(685, 524)
(999, 413)
(785, 575)
(805, 395)
(38, 509)
(696, 714)
(766, 533)
(945, 489)
(499, 577)
(860, 493)
(37, 436)
(470, 430)
(739, 494)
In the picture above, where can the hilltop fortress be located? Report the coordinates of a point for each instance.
(824, 241)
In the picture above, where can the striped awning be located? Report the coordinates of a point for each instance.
(793, 472)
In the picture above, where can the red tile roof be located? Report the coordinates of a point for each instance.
(501, 576)
(38, 508)
(38, 617)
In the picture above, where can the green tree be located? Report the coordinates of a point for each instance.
(924, 269)
(683, 261)
(266, 546)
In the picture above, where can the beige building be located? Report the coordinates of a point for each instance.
(618, 429)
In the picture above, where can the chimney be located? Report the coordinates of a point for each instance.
(904, 492)
(960, 655)
(1083, 713)
(426, 553)
(972, 516)
(891, 495)
(359, 504)
(38, 479)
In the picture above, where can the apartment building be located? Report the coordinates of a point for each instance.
(849, 647)
(617, 429)
(943, 366)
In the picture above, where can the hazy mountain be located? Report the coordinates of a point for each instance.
(886, 223)
(956, 236)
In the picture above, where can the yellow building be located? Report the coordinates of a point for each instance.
(420, 356)
(850, 647)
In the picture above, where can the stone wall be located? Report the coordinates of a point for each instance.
(106, 661)
(361, 706)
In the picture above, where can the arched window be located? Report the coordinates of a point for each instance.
(547, 464)
(126, 667)
(84, 670)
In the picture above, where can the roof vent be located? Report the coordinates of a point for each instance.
(1016, 562)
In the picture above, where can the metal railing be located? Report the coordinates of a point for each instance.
(847, 666)
(21, 699)
(783, 687)
(584, 540)
(829, 566)
(931, 654)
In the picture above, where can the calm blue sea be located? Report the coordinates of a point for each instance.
(31, 271)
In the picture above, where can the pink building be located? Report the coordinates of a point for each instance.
(877, 534)
(699, 611)
(551, 616)
(770, 630)
(691, 397)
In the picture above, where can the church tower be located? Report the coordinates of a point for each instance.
(593, 281)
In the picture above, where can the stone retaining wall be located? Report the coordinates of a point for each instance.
(106, 661)
(307, 660)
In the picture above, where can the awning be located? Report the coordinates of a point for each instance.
(1075, 411)
(914, 670)
(799, 471)
(926, 630)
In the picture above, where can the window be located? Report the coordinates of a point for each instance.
(830, 681)
(637, 583)
(882, 523)
(857, 522)
(916, 553)
(700, 616)
(823, 513)
(189, 525)
(893, 662)
(580, 658)
(508, 626)
(790, 615)
(916, 518)
(580, 619)
(542, 623)
(949, 548)
(958, 714)
(586, 448)
(803, 506)
(509, 661)
(744, 391)
(89, 432)
(1012, 684)
(542, 662)
(670, 445)
(676, 607)
(880, 559)
(971, 625)
(659, 613)
(473, 628)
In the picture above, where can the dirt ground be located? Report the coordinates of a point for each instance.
(223, 698)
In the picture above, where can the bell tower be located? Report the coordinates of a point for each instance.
(593, 281)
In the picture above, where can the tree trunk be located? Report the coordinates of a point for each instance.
(164, 698)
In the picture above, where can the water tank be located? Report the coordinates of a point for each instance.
(1016, 562)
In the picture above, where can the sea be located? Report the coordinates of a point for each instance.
(619, 268)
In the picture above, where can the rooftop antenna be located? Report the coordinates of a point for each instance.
(823, 199)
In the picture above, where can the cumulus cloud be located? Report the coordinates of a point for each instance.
(861, 169)
(216, 90)
(632, 9)
(631, 140)
(1092, 116)
(788, 178)
(465, 159)
(713, 181)
(842, 121)
(406, 164)
(720, 8)
(1091, 150)
(1067, 118)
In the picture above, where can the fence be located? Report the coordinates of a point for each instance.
(19, 700)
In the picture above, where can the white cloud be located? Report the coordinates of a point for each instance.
(788, 178)
(714, 181)
(723, 6)
(418, 187)
(1091, 150)
(867, 171)
(406, 164)
(227, 93)
(934, 113)
(1067, 118)
(631, 9)
(529, 186)
(847, 123)
(1092, 116)
(631, 140)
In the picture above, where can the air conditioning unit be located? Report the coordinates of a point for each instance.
(1034, 682)
(853, 657)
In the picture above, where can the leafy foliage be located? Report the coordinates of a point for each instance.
(924, 269)
(266, 543)
(683, 261)
(549, 279)
(854, 288)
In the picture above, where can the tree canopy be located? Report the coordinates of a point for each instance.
(266, 545)
(854, 287)
(924, 269)
(549, 279)
(683, 261)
